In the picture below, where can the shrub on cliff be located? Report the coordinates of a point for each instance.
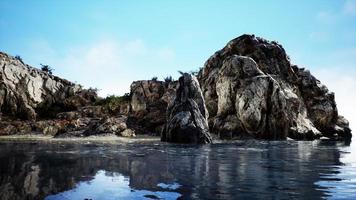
(113, 103)
(46, 68)
(19, 58)
(168, 79)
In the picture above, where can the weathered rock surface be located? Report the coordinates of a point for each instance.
(27, 92)
(249, 87)
(35, 102)
(252, 90)
(149, 101)
(110, 125)
(187, 115)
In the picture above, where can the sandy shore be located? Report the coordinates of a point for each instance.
(104, 139)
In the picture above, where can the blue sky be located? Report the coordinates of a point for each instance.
(109, 44)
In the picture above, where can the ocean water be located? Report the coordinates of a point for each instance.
(152, 170)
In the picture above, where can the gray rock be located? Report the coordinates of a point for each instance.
(252, 90)
(27, 92)
(187, 115)
(149, 101)
(109, 125)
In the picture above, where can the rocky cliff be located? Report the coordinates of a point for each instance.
(251, 89)
(148, 103)
(26, 91)
(34, 101)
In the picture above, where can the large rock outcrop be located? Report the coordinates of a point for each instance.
(33, 101)
(249, 87)
(252, 90)
(27, 92)
(149, 101)
(187, 115)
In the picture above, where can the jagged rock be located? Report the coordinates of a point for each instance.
(149, 101)
(187, 115)
(252, 90)
(71, 115)
(145, 93)
(81, 99)
(26, 92)
(249, 87)
(7, 129)
(50, 130)
(124, 108)
(49, 127)
(84, 112)
(12, 127)
(128, 133)
(110, 125)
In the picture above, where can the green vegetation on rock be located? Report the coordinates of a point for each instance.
(113, 103)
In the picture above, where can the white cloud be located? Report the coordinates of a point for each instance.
(92, 66)
(108, 65)
(350, 7)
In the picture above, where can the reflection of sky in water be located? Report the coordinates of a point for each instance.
(342, 183)
(107, 186)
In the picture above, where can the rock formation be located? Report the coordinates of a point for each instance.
(149, 101)
(187, 115)
(34, 101)
(26, 91)
(111, 125)
(249, 87)
(252, 90)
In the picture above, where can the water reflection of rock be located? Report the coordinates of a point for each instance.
(34, 171)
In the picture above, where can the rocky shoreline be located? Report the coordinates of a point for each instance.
(248, 89)
(106, 139)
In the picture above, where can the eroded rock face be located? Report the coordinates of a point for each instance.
(149, 101)
(110, 125)
(35, 102)
(187, 115)
(26, 92)
(252, 90)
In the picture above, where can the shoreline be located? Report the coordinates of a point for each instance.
(143, 139)
(101, 139)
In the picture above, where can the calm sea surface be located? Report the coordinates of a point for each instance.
(153, 170)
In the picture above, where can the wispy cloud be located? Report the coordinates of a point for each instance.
(105, 64)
